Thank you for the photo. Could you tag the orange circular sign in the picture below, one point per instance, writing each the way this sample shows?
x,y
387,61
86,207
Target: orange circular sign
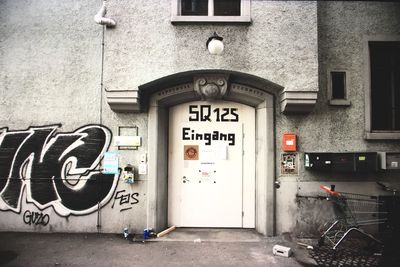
x,y
191,153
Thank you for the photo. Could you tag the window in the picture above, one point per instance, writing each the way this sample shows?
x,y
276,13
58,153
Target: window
x,y
194,7
385,86
211,11
226,7
338,84
338,88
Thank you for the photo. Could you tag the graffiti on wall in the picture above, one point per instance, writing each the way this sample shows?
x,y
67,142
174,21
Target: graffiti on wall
x,y
36,218
59,170
125,200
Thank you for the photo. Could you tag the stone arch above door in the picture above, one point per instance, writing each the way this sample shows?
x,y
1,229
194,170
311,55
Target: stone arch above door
x,y
221,87
136,100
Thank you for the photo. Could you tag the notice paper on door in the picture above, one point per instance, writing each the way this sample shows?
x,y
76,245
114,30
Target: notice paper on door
x,y
207,153
207,170
214,152
221,151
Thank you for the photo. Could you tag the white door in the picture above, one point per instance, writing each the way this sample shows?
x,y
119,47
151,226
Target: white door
x,y
211,168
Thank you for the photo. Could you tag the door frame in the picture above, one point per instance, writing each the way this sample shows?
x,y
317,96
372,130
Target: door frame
x,y
264,103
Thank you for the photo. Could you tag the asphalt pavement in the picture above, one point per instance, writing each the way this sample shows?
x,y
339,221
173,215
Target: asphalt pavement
x,y
50,249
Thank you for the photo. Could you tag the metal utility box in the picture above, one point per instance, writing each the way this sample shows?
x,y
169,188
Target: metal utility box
x,y
389,160
318,161
289,142
343,162
366,162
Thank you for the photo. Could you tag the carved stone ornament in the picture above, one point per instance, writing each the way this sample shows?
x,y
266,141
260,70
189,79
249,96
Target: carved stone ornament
x,y
211,87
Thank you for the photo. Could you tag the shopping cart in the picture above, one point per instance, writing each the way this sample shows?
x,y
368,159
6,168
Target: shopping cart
x,y
353,211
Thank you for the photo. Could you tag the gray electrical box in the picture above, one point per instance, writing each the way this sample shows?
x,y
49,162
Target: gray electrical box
x,y
389,160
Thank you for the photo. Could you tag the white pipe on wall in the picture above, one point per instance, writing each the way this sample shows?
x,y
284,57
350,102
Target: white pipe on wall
x,y
100,19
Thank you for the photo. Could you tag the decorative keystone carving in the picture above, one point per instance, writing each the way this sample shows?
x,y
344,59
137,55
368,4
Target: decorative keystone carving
x,y
211,87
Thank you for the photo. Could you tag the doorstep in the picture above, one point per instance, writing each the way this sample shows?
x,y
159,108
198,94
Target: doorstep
x,y
211,235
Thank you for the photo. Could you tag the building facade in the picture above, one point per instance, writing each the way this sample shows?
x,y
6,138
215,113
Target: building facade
x,y
137,125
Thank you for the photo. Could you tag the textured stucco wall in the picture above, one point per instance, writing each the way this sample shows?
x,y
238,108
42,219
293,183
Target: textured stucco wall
x,y
50,63
50,72
280,45
342,31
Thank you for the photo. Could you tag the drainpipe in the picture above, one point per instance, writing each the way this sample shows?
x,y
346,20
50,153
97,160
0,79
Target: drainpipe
x,y
100,19
106,22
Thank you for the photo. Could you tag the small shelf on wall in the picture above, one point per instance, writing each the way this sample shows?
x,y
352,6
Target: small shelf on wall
x,y
341,162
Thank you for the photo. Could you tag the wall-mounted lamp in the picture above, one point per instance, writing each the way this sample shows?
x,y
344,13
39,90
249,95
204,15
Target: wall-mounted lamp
x,y
215,45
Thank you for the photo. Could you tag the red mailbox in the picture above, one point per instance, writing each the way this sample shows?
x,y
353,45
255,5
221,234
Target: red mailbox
x,y
289,142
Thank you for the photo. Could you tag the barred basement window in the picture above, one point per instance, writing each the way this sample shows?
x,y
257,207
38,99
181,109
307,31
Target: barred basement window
x,y
385,86
211,11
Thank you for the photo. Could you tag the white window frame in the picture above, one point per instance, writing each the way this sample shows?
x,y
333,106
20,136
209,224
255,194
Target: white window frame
x,y
243,18
369,134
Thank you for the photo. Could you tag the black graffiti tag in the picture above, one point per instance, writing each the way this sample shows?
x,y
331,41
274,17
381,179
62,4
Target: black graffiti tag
x,y
58,170
126,200
36,218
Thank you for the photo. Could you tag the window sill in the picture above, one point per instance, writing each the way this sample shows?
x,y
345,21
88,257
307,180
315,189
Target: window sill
x,y
382,136
339,102
211,19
